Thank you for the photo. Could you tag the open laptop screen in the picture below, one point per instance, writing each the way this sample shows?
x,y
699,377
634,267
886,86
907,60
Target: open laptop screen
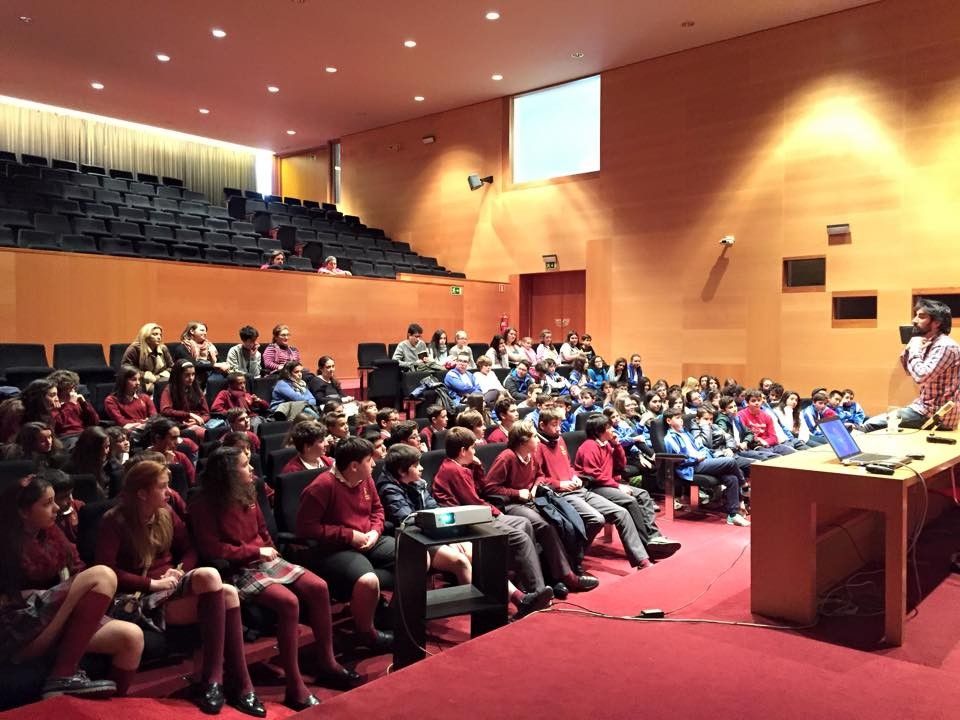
x,y
839,438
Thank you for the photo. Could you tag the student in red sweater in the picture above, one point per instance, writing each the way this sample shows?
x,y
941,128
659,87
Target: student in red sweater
x,y
68,508
342,511
598,462
515,475
406,432
51,606
238,420
456,483
74,413
593,509
164,437
147,545
507,415
337,425
235,395
227,524
182,399
311,441
127,406
762,424
437,415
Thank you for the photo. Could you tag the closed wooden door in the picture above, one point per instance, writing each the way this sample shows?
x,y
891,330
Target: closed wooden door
x,y
554,300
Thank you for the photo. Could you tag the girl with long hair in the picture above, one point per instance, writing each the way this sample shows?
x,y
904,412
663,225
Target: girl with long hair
x,y
279,352
50,604
127,406
570,350
788,413
511,345
497,353
183,401
437,347
41,401
195,346
89,457
149,355
35,442
597,372
228,524
290,394
11,418
148,547
618,371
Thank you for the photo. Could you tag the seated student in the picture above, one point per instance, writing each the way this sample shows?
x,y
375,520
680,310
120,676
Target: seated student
x,y
512,347
459,381
761,424
632,437
366,415
552,381
405,432
11,418
850,411
744,443
310,440
164,437
275,260
342,511
438,348
515,475
127,406
473,421
588,404
386,418
183,401
403,492
227,524
437,415
290,394
74,412
460,346
692,400
787,412
487,380
279,352
147,546
119,451
238,420
150,356
507,415
578,376
528,351
811,415
545,349
652,407
245,357
456,483
36,442
700,460
375,438
618,371
586,345
195,347
336,424
534,391
329,267
596,373
571,350
598,463
707,433
51,605
89,457
518,381
68,507
412,353
235,395
325,386
496,353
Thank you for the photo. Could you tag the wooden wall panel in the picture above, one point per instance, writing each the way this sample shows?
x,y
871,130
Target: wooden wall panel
x,y
306,176
54,297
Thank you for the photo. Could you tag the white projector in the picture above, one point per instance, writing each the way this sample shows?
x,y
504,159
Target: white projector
x,y
448,519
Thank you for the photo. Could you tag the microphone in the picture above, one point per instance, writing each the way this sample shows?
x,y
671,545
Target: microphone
x,y
935,419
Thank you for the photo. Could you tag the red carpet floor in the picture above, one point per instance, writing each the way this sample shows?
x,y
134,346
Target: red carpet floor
x,y
565,665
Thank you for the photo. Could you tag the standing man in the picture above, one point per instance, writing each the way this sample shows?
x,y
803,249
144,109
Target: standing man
x,y
932,359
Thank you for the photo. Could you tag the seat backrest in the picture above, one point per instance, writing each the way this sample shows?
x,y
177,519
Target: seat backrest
x,y
368,352
574,439
478,349
88,529
74,355
116,353
289,487
12,471
658,431
430,461
439,441
276,459
488,452
274,427
22,355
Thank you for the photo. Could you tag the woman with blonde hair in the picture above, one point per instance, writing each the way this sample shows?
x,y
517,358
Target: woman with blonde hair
x,y
147,545
149,355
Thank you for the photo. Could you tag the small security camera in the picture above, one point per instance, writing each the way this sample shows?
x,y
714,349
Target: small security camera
x,y
727,240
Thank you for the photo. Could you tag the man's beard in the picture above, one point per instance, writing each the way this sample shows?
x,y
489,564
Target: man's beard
x,y
917,332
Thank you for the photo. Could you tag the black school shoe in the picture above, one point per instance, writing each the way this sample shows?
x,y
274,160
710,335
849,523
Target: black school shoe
x,y
533,601
79,685
661,547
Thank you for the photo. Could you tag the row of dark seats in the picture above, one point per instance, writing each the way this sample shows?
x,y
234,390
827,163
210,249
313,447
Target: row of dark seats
x,y
28,160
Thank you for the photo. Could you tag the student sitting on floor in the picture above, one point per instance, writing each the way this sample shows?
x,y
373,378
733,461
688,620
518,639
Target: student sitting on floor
x,y
850,411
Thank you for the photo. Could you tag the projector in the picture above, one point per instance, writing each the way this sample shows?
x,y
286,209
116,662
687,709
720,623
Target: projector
x,y
450,520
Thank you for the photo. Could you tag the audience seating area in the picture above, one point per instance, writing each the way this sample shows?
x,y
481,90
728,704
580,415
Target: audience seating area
x,y
59,205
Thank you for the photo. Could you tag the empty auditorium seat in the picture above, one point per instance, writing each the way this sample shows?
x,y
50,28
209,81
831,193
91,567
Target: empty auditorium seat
x,y
122,229
109,197
217,255
52,223
311,204
243,227
194,196
137,215
218,211
85,359
232,192
116,184
121,174
142,188
141,201
82,194
300,263
167,204
268,244
173,193
152,249
93,170
6,237
99,210
218,224
190,253
194,222
245,242
15,219
116,246
20,363
33,160
172,181
158,233
147,177
373,255
247,258
252,195
189,237
38,240
90,226
78,243
64,165
218,240
65,207
7,156
361,267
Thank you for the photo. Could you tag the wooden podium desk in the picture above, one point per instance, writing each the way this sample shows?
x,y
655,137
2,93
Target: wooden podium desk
x,y
785,496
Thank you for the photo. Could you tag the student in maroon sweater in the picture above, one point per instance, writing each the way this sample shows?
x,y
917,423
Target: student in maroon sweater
x,y
515,475
182,399
74,413
341,510
126,405
147,545
227,524
437,415
235,395
50,605
164,436
600,458
68,508
456,483
507,415
311,441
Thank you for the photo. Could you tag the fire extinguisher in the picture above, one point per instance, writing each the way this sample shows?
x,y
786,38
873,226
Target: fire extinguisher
x,y
504,324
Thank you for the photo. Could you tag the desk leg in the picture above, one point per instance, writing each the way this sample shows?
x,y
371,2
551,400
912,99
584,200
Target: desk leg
x,y
895,571
410,599
490,577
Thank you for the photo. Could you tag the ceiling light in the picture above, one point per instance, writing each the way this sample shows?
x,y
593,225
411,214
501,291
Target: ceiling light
x,y
418,98
496,76
492,15
330,69
273,88
163,58
203,111
687,24
291,132
25,19
577,55
218,33
410,43
96,85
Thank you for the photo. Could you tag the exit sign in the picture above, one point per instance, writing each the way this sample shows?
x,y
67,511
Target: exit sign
x,y
456,290
551,265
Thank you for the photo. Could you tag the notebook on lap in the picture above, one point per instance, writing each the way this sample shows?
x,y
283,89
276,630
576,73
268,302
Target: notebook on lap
x,y
846,448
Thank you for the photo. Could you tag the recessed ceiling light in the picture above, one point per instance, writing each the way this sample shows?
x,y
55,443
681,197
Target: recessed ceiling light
x,y
25,19
687,24
163,58
291,132
577,55
203,111
492,15
96,85
218,33
410,43
496,76
273,88
418,98
330,69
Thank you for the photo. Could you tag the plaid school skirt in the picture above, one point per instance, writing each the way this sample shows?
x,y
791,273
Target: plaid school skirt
x,y
150,606
254,579
21,623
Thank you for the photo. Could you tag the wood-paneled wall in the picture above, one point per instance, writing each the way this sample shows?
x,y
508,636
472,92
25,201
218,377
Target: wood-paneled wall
x,y
306,175
853,117
51,297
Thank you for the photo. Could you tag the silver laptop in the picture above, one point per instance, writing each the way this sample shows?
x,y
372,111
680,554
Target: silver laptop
x,y
846,448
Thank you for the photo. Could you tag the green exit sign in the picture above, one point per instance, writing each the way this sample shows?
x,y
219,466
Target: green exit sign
x,y
551,265
456,290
